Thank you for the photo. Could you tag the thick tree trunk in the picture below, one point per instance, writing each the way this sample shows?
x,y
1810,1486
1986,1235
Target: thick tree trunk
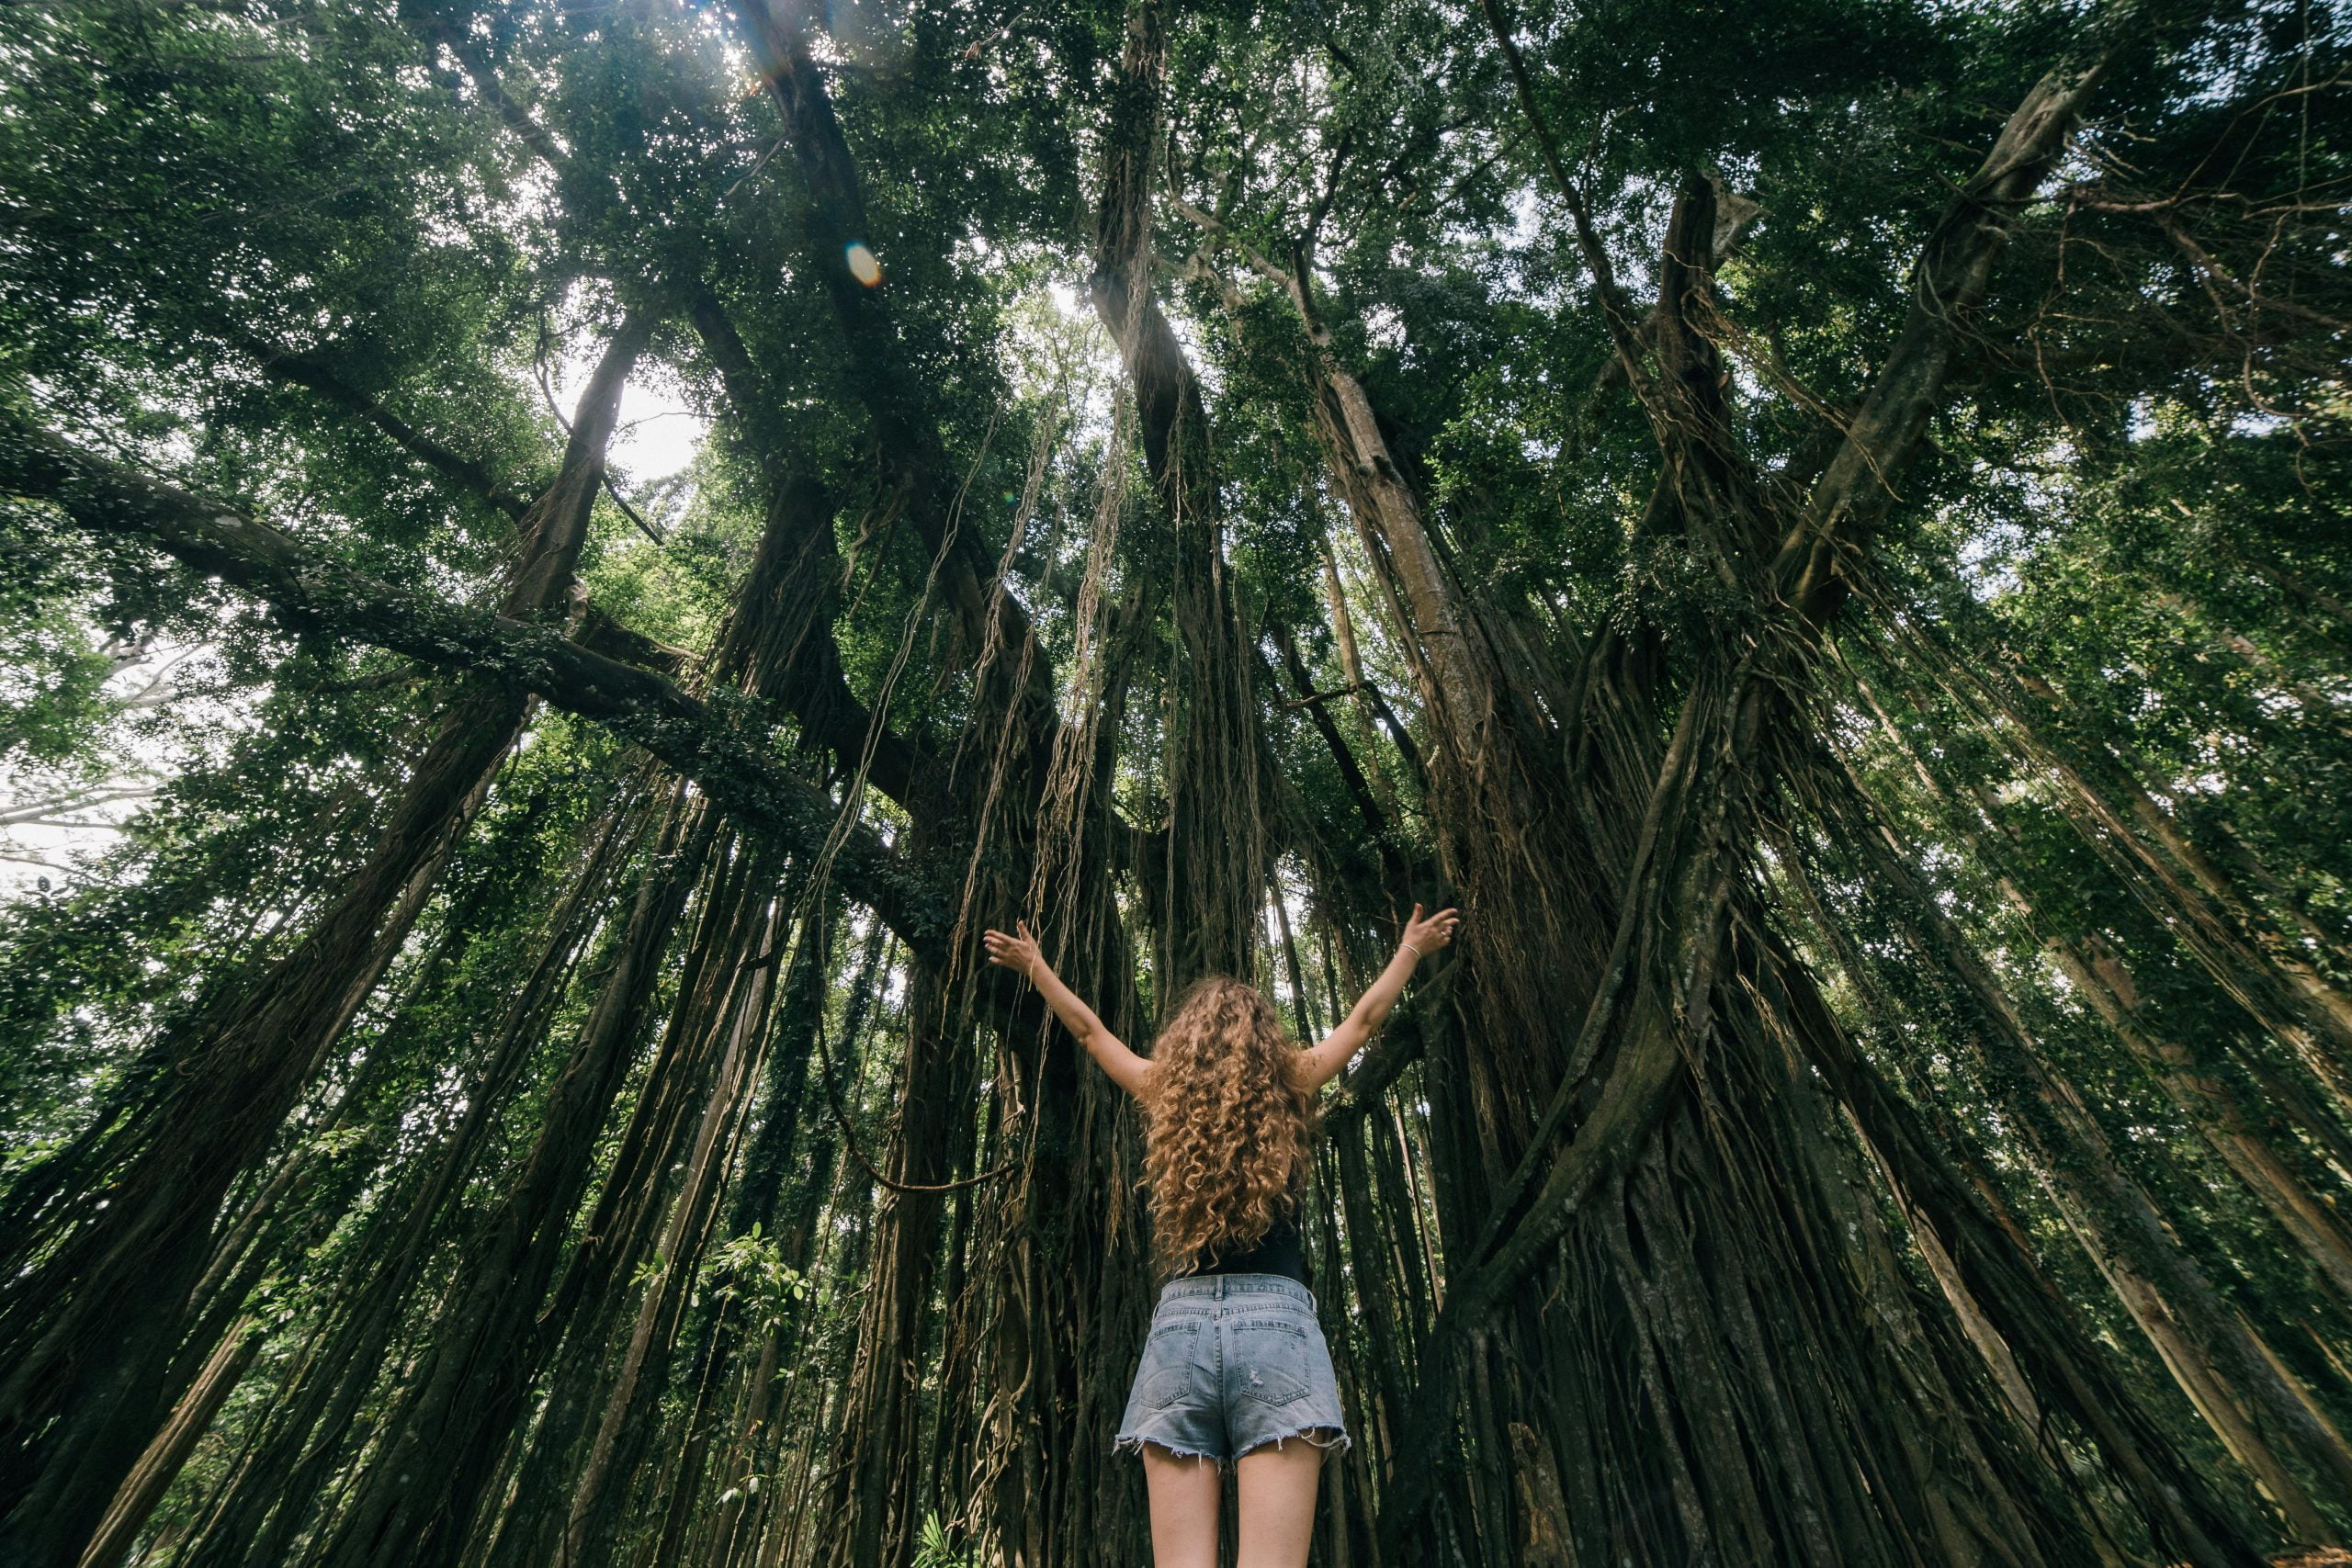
x,y
1214,860
1676,894
873,1507
270,1496
630,1412
416,1496
722,750
2100,976
127,1515
88,1332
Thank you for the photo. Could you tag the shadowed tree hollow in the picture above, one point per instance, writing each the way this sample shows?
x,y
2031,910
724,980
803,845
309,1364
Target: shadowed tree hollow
x,y
559,564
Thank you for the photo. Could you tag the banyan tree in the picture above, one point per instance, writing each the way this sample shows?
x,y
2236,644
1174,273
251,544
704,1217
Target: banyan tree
x,y
1818,524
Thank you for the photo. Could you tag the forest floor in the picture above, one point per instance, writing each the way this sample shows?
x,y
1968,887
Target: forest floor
x,y
2316,1557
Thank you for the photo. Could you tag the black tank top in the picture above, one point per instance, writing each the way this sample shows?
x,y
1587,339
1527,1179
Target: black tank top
x,y
1278,1251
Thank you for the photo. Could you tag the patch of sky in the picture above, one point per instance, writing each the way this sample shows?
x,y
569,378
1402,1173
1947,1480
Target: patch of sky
x,y
1207,365
52,826
1055,348
1994,546
1851,725
658,433
2076,166
1751,387
2287,707
2230,61
1989,558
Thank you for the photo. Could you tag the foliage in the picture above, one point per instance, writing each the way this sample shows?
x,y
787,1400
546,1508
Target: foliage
x,y
629,1169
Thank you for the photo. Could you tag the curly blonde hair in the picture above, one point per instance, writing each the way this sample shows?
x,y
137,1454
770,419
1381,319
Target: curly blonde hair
x,y
1228,1122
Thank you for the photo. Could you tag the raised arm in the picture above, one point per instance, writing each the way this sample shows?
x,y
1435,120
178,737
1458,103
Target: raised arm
x,y
1110,1053
1423,935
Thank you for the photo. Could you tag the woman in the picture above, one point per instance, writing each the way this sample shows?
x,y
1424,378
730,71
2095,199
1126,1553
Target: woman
x,y
1235,1367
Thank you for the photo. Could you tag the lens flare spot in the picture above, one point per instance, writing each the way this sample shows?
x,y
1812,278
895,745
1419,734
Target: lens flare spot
x,y
862,265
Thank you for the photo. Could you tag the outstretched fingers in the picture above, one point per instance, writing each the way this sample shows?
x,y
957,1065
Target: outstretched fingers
x,y
1011,952
1437,929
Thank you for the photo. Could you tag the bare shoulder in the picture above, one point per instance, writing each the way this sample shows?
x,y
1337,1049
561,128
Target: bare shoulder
x,y
1132,1073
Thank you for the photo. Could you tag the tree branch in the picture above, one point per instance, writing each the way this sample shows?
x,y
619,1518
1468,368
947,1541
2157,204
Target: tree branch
x,y
725,748
315,373
794,571
485,81
1623,332
877,367
1954,269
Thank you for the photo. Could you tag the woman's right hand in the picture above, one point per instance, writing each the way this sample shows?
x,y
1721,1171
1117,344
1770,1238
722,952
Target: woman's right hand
x,y
1018,952
1425,934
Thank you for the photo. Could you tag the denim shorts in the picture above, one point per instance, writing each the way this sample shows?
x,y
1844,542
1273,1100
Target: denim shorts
x,y
1234,1361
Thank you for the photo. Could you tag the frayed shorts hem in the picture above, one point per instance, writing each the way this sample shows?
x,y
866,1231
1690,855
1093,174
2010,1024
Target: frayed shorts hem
x,y
1334,1441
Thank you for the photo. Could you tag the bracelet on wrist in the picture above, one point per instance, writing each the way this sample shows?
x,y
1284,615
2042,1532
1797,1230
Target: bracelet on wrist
x,y
1416,952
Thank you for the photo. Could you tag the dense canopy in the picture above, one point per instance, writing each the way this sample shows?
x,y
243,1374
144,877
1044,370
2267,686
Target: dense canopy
x,y
580,552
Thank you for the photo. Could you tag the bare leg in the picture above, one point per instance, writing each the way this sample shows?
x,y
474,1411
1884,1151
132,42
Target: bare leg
x,y
1277,1485
1185,1494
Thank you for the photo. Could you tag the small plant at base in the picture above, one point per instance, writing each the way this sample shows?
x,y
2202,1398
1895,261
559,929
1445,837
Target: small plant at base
x,y
932,1549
